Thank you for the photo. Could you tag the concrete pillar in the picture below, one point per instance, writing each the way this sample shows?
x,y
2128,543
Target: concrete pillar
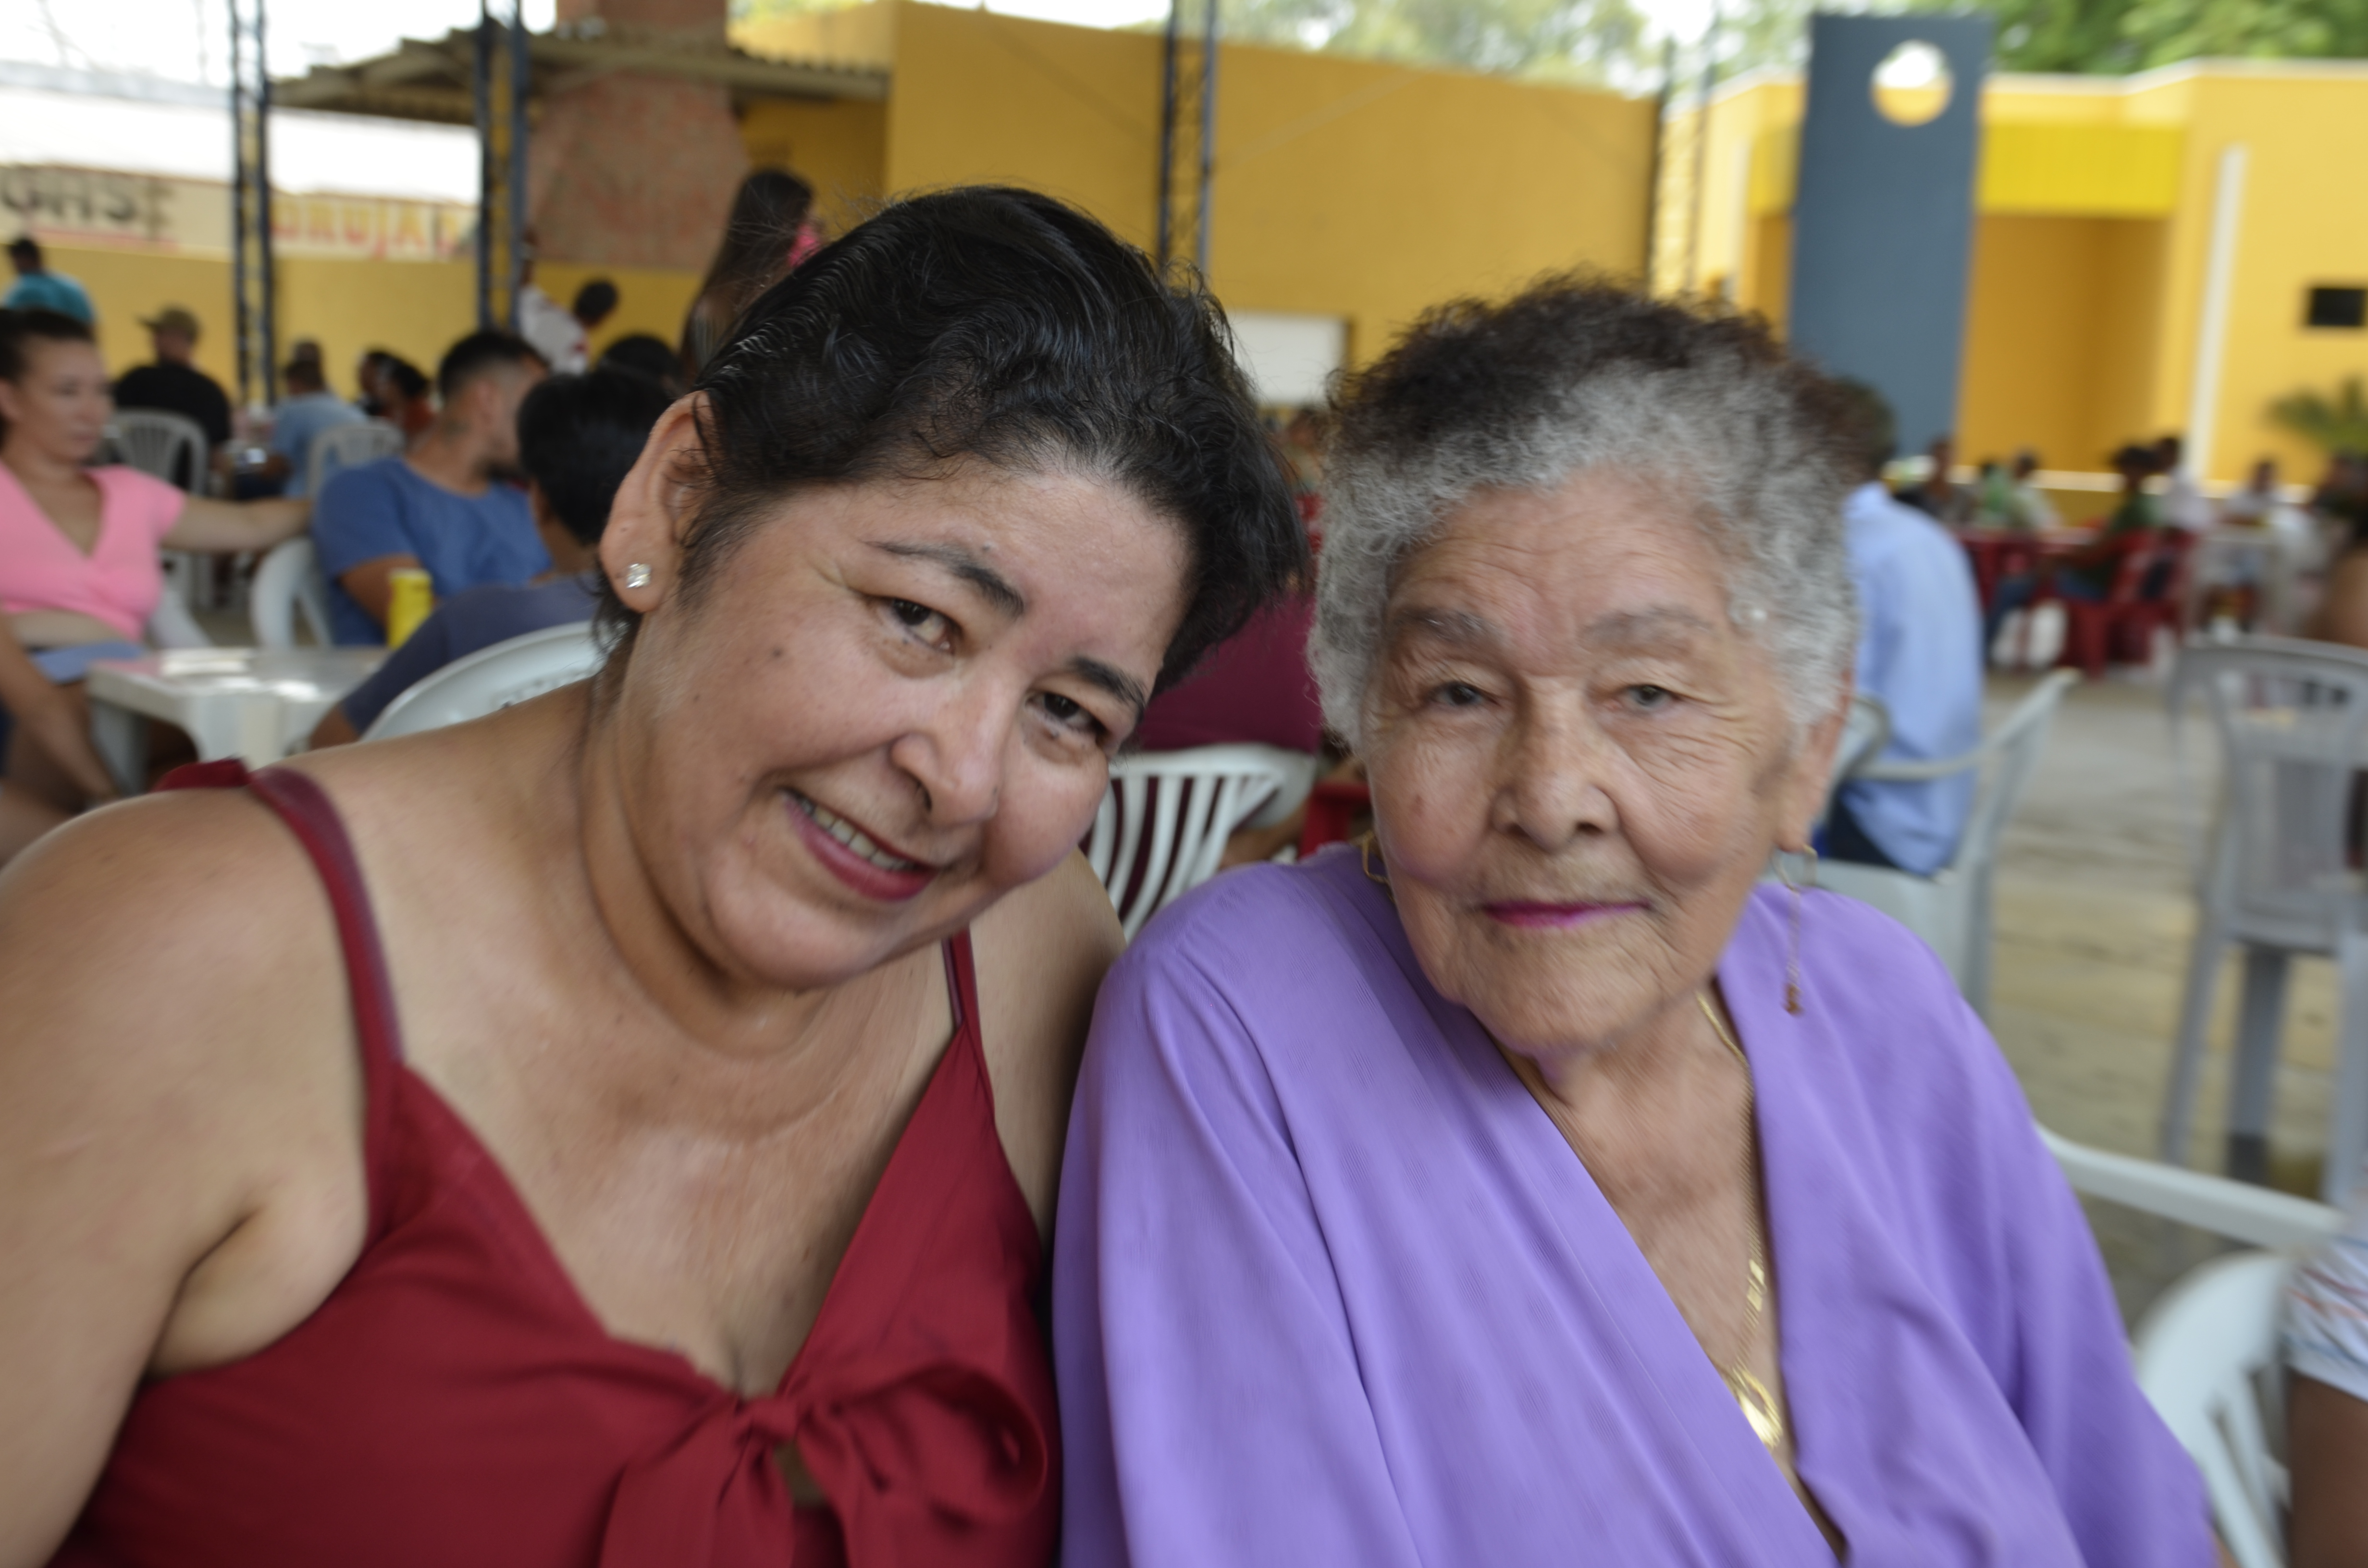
x,y
636,171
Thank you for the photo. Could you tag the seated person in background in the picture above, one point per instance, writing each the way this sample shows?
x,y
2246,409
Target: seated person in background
x,y
578,436
309,408
595,303
2087,576
1937,494
79,571
645,354
2326,1400
2010,499
393,390
446,506
2183,503
1918,653
174,384
2342,613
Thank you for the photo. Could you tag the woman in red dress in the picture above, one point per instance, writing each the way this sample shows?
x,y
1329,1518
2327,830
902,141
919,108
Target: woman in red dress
x,y
622,1130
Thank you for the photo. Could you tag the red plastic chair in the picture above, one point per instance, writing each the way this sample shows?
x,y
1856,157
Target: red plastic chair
x,y
2126,623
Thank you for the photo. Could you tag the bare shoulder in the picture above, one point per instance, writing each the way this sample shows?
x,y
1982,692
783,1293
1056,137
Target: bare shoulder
x,y
176,1094
1041,953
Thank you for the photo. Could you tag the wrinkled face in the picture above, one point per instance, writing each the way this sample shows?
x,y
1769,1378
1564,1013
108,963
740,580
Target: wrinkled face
x,y
61,405
894,703
1580,767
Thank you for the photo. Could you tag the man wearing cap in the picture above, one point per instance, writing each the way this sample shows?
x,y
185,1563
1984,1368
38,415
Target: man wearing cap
x,y
174,384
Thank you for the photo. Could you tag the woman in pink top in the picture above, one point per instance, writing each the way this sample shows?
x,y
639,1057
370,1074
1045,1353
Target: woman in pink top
x,y
79,570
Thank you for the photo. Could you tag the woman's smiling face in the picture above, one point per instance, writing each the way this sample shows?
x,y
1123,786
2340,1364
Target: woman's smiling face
x,y
891,704
1579,766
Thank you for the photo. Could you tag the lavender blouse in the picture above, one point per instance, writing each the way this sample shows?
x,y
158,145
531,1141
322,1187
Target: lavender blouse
x,y
1331,1289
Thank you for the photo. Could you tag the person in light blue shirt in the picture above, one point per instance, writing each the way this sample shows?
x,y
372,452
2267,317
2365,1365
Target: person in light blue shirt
x,y
309,408
39,288
1920,653
447,506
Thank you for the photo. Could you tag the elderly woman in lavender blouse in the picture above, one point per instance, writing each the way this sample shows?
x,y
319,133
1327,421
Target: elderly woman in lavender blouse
x,y
1533,1186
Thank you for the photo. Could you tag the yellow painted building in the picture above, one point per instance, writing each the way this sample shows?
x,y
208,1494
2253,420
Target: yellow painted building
x,y
1346,189
2145,250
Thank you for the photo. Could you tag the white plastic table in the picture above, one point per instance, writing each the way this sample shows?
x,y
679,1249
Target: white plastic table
x,y
251,703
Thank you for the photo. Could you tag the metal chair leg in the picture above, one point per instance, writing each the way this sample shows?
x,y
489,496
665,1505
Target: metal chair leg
x,y
2253,1073
2187,1054
2347,1132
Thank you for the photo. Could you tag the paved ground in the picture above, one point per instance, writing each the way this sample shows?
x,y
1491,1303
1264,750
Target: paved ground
x,y
2095,913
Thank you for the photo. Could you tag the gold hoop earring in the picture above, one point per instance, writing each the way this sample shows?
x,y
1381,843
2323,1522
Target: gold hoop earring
x,y
1793,946
1366,847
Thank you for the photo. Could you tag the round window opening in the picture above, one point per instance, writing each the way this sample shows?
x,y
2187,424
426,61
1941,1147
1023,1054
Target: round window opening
x,y
1911,85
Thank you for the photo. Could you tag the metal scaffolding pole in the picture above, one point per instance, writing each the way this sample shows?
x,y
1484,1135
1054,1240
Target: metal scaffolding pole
x,y
252,292
502,82
1188,107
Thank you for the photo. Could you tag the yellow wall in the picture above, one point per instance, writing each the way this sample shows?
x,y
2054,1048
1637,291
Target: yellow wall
x,y
1343,187
841,149
2094,206
1072,111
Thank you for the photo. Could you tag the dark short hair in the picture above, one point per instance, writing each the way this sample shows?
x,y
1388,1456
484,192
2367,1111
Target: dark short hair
x,y
26,246
579,436
305,373
1008,328
481,353
644,354
20,329
1872,429
409,379
594,301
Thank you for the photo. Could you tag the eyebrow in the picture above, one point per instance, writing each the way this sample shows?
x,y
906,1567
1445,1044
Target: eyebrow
x,y
1117,682
992,585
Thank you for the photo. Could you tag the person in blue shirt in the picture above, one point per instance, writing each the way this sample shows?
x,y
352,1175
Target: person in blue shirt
x,y
309,408
446,506
1919,653
578,436
39,288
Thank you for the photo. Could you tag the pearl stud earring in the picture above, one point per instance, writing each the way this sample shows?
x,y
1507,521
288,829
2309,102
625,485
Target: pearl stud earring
x,y
637,575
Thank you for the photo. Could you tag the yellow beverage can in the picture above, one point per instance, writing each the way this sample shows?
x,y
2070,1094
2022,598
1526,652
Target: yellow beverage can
x,y
414,596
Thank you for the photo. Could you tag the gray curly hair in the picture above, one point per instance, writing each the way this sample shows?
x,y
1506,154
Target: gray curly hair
x,y
1575,373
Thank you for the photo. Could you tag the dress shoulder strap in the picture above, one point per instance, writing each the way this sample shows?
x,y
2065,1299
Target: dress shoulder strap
x,y
309,813
961,990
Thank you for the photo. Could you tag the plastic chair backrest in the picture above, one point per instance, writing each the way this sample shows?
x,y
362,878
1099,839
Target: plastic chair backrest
x,y
288,579
1865,732
2207,1357
2007,757
2292,717
347,446
490,680
165,445
1192,802
2258,1216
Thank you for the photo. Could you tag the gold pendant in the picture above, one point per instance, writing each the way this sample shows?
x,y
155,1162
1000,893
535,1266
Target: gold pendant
x,y
1759,1407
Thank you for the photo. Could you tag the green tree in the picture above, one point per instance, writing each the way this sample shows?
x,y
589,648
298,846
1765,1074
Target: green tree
x,y
1578,40
2338,424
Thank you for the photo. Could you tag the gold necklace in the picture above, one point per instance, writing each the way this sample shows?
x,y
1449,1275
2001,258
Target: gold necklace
x,y
1759,1405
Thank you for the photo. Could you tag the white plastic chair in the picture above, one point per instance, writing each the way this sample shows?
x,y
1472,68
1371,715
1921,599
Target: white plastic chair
x,y
287,580
1950,909
1192,802
347,446
1865,732
490,680
2292,722
159,443
2207,1357
166,446
2207,1352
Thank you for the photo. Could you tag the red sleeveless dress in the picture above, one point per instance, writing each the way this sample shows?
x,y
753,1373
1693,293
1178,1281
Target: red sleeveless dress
x,y
455,1403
